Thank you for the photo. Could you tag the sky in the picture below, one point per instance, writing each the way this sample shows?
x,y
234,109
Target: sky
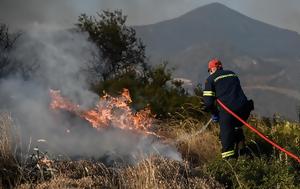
x,y
64,13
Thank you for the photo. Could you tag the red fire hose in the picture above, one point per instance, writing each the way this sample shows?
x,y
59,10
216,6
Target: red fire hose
x,y
257,132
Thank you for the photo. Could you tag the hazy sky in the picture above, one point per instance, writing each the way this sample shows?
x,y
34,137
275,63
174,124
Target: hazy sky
x,y
64,13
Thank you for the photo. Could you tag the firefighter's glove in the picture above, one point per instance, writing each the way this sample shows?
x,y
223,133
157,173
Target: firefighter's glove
x,y
215,118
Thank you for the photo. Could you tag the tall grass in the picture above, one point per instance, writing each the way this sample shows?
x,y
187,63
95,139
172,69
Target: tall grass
x,y
201,167
151,173
9,170
196,147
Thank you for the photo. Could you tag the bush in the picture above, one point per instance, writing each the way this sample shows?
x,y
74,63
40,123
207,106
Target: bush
x,y
269,168
157,90
252,173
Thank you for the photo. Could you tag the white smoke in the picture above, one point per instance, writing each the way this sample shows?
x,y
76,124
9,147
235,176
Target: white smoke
x,y
60,56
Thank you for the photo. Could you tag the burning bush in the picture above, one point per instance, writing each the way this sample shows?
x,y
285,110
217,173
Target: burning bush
x,y
113,116
157,90
109,111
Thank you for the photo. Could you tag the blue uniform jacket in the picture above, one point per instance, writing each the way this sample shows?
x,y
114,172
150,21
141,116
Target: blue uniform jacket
x,y
225,86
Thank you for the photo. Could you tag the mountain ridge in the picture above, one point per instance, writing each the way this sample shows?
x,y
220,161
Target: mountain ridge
x,y
252,48
214,17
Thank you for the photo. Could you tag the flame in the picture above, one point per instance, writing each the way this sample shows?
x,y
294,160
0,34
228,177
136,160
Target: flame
x,y
109,111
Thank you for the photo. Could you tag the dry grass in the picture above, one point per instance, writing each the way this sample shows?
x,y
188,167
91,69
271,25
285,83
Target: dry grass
x,y
151,173
197,148
200,149
6,137
163,173
59,182
199,152
154,172
9,170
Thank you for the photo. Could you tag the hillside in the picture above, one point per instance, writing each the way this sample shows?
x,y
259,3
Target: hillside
x,y
260,53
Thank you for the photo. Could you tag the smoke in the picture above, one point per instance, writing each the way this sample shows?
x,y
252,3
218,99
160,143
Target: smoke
x,y
59,57
20,14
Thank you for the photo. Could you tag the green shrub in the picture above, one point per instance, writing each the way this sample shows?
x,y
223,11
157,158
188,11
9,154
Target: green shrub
x,y
158,90
253,173
269,168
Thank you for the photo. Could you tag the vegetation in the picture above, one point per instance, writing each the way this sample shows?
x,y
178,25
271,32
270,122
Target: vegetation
x,y
10,173
119,48
7,41
179,117
9,66
202,166
123,65
157,90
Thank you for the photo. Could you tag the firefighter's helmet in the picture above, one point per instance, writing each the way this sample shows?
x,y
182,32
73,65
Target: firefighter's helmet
x,y
214,63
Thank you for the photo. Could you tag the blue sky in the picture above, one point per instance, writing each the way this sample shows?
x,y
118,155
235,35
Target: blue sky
x,y
64,13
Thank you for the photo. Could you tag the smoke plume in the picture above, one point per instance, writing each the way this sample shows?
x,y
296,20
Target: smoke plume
x,y
59,56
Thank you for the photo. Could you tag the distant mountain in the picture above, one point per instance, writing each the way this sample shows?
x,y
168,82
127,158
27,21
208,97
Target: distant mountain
x,y
262,54
217,24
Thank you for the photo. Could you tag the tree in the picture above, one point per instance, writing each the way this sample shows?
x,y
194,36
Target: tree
x,y
159,75
120,50
8,64
7,42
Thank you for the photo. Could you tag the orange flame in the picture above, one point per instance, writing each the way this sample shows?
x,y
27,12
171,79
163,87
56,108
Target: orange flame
x,y
109,111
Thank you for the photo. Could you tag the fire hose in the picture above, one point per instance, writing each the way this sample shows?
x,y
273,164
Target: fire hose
x,y
259,133
185,137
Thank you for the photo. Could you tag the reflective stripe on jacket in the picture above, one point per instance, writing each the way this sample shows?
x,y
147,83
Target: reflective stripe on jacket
x,y
224,85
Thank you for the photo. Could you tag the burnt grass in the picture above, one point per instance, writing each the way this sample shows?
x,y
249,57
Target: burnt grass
x,y
155,172
201,166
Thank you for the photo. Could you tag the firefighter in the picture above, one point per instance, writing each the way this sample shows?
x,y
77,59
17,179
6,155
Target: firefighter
x,y
225,86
